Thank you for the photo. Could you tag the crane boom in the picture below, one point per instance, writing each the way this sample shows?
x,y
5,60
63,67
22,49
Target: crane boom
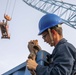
x,y
65,10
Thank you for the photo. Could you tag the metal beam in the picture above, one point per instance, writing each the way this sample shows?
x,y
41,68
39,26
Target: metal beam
x,y
65,10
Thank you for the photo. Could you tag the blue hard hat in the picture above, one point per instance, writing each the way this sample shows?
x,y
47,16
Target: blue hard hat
x,y
49,21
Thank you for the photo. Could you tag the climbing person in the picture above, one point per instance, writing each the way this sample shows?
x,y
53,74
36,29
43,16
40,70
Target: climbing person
x,y
64,53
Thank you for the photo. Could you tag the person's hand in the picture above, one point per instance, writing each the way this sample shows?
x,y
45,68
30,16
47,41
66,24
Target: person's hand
x,y
32,56
31,64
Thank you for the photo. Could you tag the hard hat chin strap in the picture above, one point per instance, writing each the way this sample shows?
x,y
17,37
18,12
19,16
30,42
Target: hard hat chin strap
x,y
50,34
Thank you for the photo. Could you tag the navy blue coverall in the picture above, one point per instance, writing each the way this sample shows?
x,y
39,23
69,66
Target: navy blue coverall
x,y
63,60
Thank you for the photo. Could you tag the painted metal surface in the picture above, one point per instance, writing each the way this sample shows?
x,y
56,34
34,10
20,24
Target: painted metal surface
x,y
42,59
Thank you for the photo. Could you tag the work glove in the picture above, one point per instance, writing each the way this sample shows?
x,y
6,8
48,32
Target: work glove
x,y
33,48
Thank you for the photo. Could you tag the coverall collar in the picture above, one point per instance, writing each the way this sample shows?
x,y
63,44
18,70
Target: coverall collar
x,y
59,43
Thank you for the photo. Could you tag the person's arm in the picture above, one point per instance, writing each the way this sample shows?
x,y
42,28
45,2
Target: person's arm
x,y
62,63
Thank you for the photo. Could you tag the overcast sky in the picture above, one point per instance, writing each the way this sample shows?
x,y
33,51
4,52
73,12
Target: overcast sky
x,y
24,27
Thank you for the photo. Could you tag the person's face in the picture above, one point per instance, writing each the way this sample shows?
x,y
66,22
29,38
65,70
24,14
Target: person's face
x,y
47,39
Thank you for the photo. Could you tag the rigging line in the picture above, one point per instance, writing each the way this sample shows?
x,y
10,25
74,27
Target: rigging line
x,y
6,5
9,7
13,8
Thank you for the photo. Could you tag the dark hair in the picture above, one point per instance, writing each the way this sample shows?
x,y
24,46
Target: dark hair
x,y
57,28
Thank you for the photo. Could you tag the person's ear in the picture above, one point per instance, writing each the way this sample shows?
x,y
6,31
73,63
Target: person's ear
x,y
53,31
